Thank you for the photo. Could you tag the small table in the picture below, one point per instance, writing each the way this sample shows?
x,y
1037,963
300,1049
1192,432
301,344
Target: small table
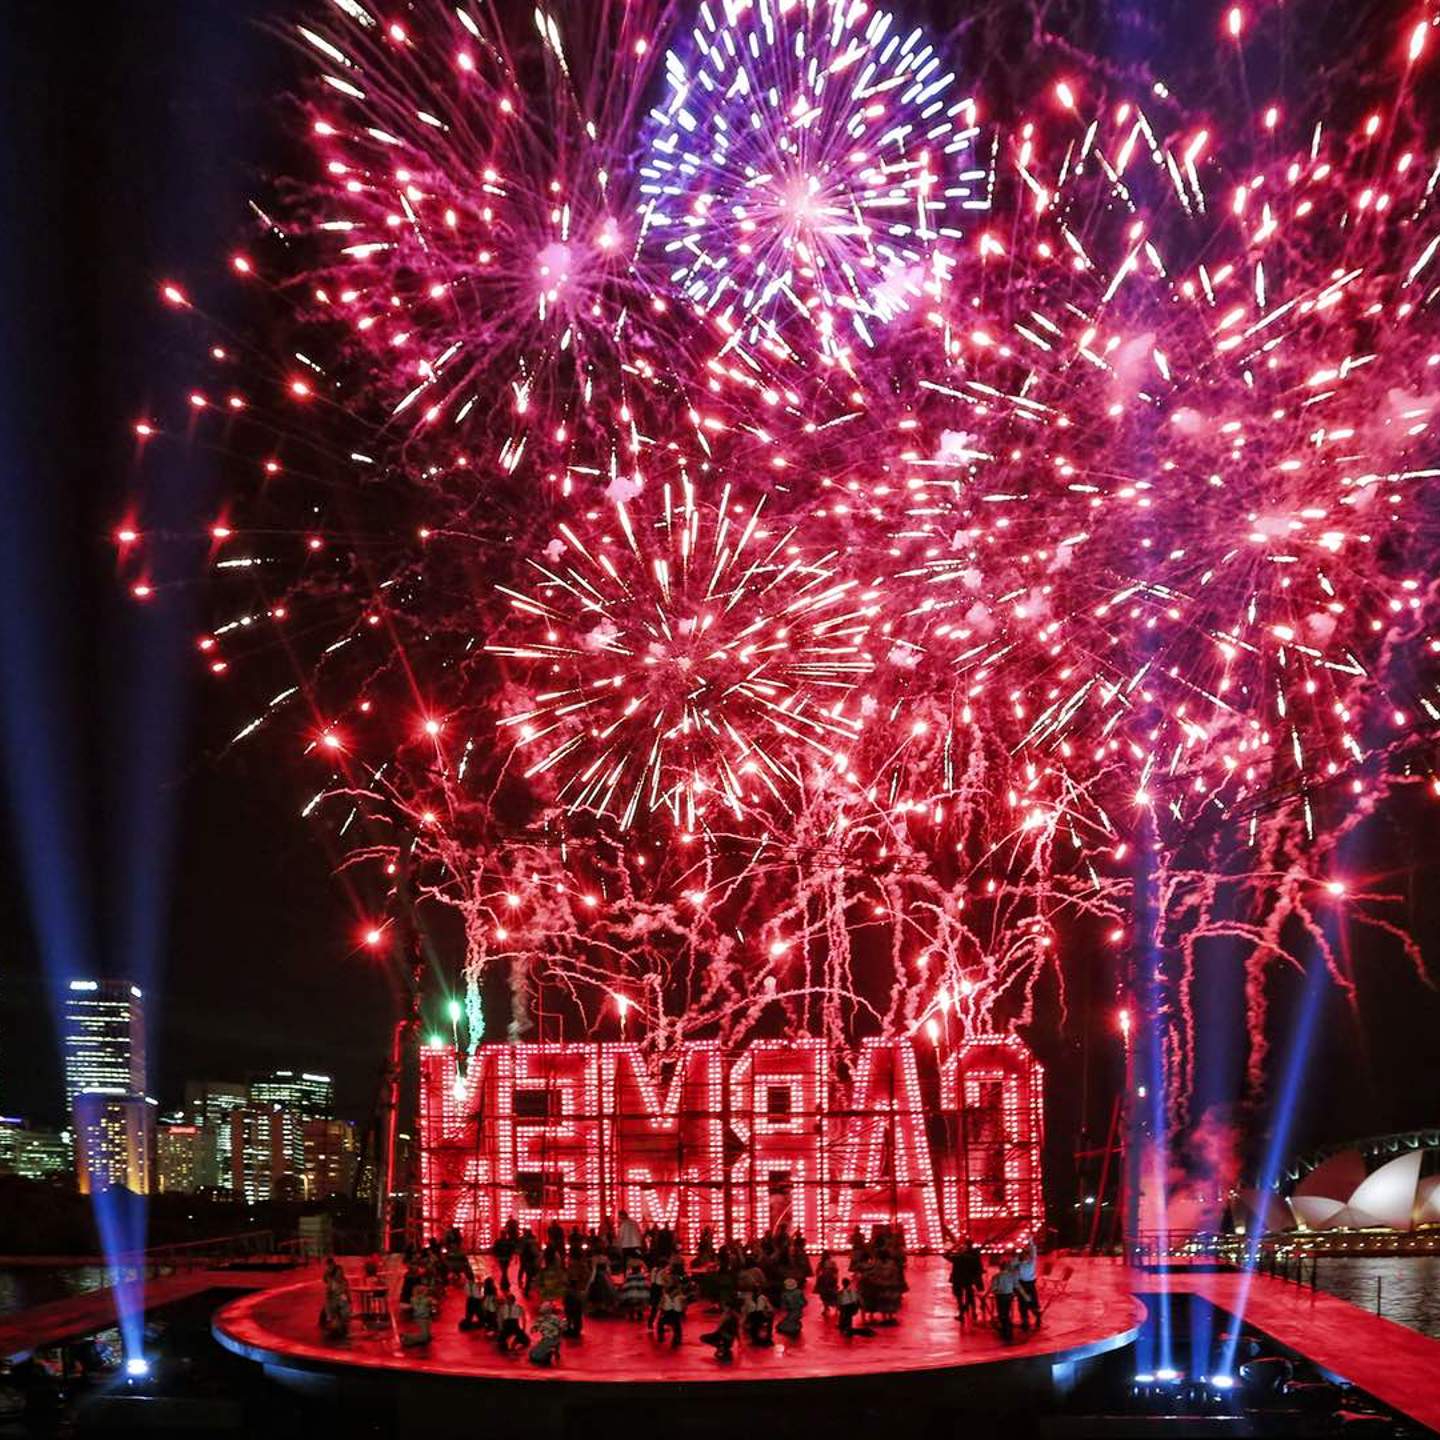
x,y
372,1305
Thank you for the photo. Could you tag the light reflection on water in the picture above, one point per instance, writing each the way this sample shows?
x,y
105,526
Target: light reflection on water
x,y
22,1286
1409,1286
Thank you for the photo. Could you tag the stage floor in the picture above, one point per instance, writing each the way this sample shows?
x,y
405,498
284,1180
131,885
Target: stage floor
x,y
1089,1312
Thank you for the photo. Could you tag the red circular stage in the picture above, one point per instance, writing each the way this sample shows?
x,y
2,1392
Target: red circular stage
x,y
1089,1311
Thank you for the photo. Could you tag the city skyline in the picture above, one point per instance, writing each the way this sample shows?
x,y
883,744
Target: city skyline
x,y
104,1047
186,1040
273,1134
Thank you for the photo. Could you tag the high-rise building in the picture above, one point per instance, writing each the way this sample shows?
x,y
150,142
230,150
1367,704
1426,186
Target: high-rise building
x,y
34,1154
312,1097
299,1096
209,1104
185,1158
104,1039
259,1160
114,1142
331,1155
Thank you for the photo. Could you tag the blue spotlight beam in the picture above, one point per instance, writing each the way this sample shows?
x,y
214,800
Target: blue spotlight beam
x,y
1277,1147
1279,1142
1146,1119
55,503
38,735
41,755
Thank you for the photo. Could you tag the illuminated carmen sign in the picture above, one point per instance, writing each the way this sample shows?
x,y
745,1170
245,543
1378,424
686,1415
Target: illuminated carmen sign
x,y
941,1144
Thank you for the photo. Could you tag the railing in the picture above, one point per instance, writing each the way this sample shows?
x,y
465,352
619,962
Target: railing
x,y
213,1254
1280,1257
1292,1260
1154,1247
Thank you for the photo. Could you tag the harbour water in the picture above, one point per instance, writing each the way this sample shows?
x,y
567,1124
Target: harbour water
x,y
1403,1288
22,1286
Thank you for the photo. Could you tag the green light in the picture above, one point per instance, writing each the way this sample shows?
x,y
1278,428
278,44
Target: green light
x,y
456,1009
437,1042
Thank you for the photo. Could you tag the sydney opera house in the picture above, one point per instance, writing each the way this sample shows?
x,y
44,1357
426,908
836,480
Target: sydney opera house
x,y
1392,1184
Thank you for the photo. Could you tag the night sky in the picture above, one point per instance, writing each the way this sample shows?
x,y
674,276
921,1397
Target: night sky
x,y
132,136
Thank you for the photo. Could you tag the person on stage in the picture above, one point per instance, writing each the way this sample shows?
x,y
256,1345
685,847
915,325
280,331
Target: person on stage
x,y
792,1303
474,1302
574,1305
672,1312
513,1334
335,1316
549,1328
758,1315
1003,1285
659,1278
1027,1293
627,1234
967,1278
634,1291
724,1335
705,1250
827,1284
529,1260
506,1243
422,1312
848,1307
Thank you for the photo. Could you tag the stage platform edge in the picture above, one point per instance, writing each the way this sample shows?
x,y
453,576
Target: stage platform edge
x,y
927,1362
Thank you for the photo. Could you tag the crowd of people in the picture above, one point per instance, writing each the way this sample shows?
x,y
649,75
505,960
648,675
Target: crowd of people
x,y
562,1279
